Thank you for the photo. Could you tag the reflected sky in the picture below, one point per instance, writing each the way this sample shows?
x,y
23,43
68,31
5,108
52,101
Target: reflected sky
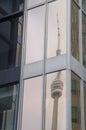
x,y
35,35
32,104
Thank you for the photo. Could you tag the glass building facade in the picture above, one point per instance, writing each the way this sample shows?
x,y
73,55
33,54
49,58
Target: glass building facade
x,y
42,65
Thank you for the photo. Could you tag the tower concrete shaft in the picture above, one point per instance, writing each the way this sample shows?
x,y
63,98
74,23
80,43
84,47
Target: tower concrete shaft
x,y
56,92
55,112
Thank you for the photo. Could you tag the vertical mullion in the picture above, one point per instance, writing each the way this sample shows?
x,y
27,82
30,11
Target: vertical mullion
x,y
68,101
44,67
82,106
21,89
80,35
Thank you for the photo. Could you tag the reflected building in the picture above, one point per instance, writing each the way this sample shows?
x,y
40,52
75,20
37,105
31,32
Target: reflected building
x,y
42,83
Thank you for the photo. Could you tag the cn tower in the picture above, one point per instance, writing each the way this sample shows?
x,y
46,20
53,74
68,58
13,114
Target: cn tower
x,y
56,86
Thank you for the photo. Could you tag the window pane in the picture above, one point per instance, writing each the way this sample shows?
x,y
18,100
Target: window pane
x,y
84,38
9,6
75,31
8,97
56,40
85,103
32,104
56,101
34,2
76,108
84,4
10,39
35,35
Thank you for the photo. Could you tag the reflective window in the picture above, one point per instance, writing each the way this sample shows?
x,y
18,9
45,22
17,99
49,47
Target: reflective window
x,y
34,2
56,101
84,4
35,35
9,6
75,31
32,104
85,103
56,38
10,40
76,108
8,98
84,38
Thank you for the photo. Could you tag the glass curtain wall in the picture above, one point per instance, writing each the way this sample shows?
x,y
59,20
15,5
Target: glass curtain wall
x,y
10,42
45,39
85,102
78,50
44,103
75,100
84,5
55,31
8,99
11,26
75,30
84,38
8,7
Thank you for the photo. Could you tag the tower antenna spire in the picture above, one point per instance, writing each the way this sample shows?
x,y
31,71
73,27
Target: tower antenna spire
x,y
58,51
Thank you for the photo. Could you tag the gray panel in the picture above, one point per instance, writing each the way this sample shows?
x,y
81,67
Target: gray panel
x,y
34,69
56,63
52,65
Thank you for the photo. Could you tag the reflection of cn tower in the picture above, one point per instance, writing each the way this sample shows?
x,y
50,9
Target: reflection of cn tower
x,y
56,86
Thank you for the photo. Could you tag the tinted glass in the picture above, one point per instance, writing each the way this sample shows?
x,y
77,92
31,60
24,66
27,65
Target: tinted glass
x,y
32,104
76,106
10,42
56,101
8,98
84,38
84,4
75,31
9,6
35,35
85,103
56,38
